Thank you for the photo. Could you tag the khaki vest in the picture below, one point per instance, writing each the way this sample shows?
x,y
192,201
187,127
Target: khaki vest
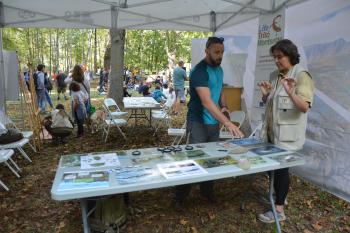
x,y
289,123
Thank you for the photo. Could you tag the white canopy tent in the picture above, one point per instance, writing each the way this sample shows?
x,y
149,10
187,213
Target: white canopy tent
x,y
206,15
191,15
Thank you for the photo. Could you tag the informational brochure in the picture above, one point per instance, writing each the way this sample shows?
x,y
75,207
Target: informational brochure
x,y
286,158
131,175
268,150
84,180
180,169
216,162
247,142
257,161
99,160
195,153
72,160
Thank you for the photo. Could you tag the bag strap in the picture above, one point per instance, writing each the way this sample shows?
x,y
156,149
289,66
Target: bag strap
x,y
85,87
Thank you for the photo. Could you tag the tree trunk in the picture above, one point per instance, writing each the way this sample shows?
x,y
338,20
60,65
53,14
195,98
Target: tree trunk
x,y
107,57
37,46
50,56
41,46
67,57
30,57
117,65
57,52
89,51
95,52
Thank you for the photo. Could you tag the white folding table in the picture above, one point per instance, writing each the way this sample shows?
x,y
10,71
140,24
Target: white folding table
x,y
211,150
138,105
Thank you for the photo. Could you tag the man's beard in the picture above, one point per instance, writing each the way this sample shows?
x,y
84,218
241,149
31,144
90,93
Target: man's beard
x,y
215,62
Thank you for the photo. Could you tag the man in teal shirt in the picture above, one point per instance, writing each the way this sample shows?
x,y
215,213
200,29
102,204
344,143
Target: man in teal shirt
x,y
205,109
179,77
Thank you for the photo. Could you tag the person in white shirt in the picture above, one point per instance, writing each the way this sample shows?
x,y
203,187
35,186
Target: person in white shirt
x,y
59,124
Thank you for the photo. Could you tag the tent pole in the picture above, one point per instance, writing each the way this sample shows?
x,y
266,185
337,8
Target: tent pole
x,y
212,21
2,78
2,72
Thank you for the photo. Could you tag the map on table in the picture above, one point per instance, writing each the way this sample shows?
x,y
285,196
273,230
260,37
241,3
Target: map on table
x,y
83,180
130,175
150,155
257,161
182,155
286,158
180,169
267,150
72,160
99,160
216,162
250,142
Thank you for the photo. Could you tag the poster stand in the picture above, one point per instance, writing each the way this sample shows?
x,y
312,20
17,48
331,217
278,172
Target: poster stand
x,y
31,107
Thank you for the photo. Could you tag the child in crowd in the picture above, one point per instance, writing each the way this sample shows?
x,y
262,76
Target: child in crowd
x,y
145,91
58,124
79,99
166,89
125,92
158,94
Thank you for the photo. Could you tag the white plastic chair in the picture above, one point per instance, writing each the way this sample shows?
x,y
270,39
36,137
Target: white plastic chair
x,y
235,116
178,133
29,134
162,115
5,156
256,132
4,119
109,103
4,186
17,145
112,122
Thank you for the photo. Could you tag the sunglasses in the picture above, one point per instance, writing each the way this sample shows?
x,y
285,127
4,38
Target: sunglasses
x,y
214,40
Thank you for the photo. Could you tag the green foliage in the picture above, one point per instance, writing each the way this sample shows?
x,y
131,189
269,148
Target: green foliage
x,y
63,48
148,49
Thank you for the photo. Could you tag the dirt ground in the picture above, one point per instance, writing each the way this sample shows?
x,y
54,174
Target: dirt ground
x,y
28,207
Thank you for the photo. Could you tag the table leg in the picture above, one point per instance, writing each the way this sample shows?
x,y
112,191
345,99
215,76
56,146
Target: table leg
x,y
150,118
135,117
272,201
83,204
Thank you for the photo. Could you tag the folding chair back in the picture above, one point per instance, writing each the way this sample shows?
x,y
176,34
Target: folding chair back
x,y
109,102
256,132
237,116
112,108
179,133
112,121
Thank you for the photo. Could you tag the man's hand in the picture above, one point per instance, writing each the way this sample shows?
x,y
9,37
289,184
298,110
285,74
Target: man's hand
x,y
225,111
265,87
235,132
289,85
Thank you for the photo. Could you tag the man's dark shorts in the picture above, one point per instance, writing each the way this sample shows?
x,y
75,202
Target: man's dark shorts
x,y
179,92
61,89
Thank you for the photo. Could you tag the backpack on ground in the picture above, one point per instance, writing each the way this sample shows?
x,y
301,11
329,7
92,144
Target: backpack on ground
x,y
11,135
109,215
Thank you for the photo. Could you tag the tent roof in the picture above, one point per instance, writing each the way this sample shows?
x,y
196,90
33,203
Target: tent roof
x,y
191,15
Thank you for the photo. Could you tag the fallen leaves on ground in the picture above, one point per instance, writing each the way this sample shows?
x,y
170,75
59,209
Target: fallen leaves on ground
x,y
28,206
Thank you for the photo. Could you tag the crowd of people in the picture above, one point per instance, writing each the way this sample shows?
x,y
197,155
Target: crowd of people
x,y
288,96
57,121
